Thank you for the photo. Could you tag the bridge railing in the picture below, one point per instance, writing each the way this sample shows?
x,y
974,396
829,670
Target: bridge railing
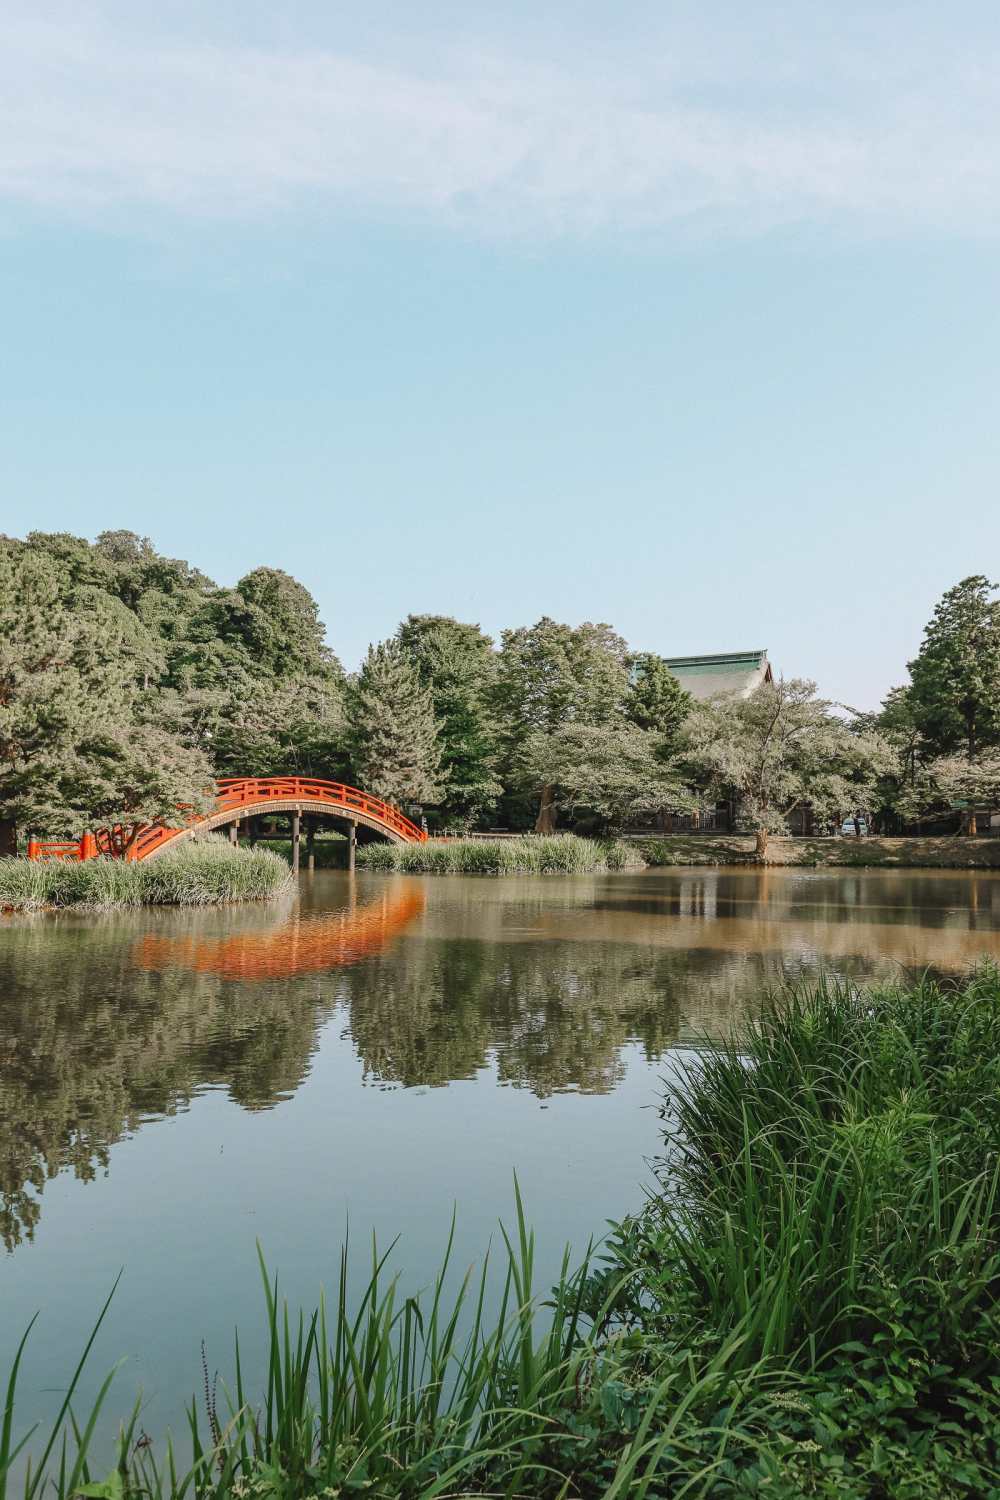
x,y
237,791
133,841
85,847
43,849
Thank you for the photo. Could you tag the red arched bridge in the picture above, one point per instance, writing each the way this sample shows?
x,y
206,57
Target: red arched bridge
x,y
237,798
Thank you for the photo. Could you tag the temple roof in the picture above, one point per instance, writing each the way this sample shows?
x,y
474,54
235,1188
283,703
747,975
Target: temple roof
x,y
727,672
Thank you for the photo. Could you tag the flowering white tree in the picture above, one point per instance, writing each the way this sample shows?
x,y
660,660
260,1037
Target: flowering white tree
x,y
615,772
955,781
782,748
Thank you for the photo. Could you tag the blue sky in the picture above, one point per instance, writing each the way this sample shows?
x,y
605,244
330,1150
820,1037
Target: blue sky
x,y
679,316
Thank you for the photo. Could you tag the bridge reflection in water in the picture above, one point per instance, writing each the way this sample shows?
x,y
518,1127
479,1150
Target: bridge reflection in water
x,y
303,945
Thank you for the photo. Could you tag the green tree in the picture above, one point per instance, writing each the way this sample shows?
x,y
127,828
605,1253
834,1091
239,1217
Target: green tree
x,y
780,749
613,773
958,779
457,664
275,620
655,699
75,747
550,675
393,733
955,693
945,782
259,652
898,793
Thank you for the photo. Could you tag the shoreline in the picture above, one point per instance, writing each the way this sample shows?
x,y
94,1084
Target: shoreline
x,y
712,849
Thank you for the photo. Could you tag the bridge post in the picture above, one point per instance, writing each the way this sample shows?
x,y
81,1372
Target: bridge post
x,y
310,844
352,843
296,839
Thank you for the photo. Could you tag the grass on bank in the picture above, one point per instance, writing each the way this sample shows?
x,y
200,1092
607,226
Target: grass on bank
x,y
808,1309
198,873
941,853
532,854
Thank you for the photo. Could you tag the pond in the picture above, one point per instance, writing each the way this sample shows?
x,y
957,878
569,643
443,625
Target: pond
x,y
176,1085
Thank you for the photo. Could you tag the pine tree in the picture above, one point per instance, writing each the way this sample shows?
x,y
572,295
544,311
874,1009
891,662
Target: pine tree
x,y
395,747
457,663
955,692
655,700
956,674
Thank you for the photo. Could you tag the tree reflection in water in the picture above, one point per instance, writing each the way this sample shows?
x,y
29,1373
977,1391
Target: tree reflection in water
x,y
106,1022
99,1032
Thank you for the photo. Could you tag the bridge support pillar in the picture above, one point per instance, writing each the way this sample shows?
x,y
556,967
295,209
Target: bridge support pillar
x,y
352,844
296,839
234,833
310,844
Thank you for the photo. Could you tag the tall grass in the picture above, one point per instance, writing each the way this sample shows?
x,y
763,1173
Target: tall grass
x,y
556,854
391,1395
831,1198
200,873
847,1135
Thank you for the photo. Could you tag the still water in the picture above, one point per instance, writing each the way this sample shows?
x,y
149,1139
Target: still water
x,y
175,1086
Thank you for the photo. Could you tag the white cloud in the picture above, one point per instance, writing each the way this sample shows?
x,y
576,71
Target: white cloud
x,y
97,120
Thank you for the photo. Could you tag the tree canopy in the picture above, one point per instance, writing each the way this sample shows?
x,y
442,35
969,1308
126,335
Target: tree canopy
x,y
457,664
782,748
394,741
129,680
609,774
77,741
655,699
955,676
551,675
950,708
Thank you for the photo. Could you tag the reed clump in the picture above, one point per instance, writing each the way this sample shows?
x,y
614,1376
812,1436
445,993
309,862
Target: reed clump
x,y
204,872
830,1200
532,854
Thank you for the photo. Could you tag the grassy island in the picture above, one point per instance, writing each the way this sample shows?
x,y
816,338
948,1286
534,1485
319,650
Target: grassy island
x,y
808,1309
557,854
207,873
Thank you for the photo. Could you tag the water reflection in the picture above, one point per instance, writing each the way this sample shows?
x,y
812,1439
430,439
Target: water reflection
x,y
300,945
106,1023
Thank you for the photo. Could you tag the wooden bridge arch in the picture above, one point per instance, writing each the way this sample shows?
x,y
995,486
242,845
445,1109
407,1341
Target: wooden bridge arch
x,y
237,798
